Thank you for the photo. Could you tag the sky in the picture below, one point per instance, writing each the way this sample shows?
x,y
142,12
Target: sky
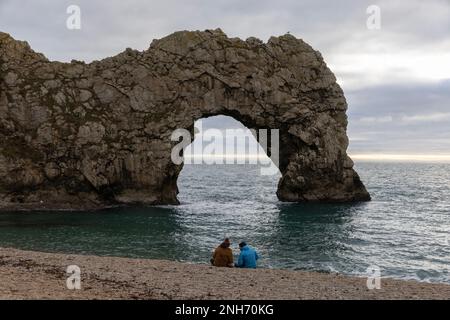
x,y
396,78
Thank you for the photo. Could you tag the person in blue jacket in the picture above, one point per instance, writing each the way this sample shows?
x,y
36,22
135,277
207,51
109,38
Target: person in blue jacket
x,y
247,257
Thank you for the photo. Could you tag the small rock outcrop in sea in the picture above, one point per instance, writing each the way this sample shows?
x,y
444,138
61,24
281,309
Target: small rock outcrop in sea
x,y
77,136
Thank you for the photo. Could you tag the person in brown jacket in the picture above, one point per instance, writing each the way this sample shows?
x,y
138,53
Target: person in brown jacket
x,y
223,255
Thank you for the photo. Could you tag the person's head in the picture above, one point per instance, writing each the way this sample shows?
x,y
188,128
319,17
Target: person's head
x,y
226,243
242,244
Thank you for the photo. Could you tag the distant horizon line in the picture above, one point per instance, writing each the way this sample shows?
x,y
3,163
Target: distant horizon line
x,y
355,156
401,157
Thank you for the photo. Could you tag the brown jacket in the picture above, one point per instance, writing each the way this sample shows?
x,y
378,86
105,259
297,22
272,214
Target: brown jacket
x,y
223,257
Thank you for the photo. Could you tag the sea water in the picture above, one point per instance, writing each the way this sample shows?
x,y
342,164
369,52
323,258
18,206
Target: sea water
x,y
404,230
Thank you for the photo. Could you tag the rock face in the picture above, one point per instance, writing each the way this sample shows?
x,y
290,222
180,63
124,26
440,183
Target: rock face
x,y
76,135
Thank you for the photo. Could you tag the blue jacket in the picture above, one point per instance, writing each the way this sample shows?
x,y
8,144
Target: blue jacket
x,y
247,258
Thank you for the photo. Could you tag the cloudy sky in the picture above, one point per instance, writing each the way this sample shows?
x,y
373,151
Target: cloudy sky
x,y
396,78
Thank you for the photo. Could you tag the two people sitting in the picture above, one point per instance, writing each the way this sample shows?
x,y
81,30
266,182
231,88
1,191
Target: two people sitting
x,y
223,256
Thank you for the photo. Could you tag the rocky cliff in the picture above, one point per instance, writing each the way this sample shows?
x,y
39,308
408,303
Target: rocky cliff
x,y
76,135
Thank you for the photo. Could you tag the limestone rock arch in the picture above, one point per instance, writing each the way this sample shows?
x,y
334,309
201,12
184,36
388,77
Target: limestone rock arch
x,y
76,135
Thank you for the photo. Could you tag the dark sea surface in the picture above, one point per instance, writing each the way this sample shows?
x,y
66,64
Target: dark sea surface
x,y
404,230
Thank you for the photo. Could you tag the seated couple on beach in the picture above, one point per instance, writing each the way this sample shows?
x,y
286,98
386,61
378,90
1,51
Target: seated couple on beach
x,y
223,256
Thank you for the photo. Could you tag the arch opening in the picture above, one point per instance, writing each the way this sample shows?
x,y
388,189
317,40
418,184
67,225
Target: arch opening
x,y
224,147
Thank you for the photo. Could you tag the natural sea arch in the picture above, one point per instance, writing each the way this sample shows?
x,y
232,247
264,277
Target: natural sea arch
x,y
77,135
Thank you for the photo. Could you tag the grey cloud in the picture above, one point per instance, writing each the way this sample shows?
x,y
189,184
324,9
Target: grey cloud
x,y
109,26
333,27
400,99
420,116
